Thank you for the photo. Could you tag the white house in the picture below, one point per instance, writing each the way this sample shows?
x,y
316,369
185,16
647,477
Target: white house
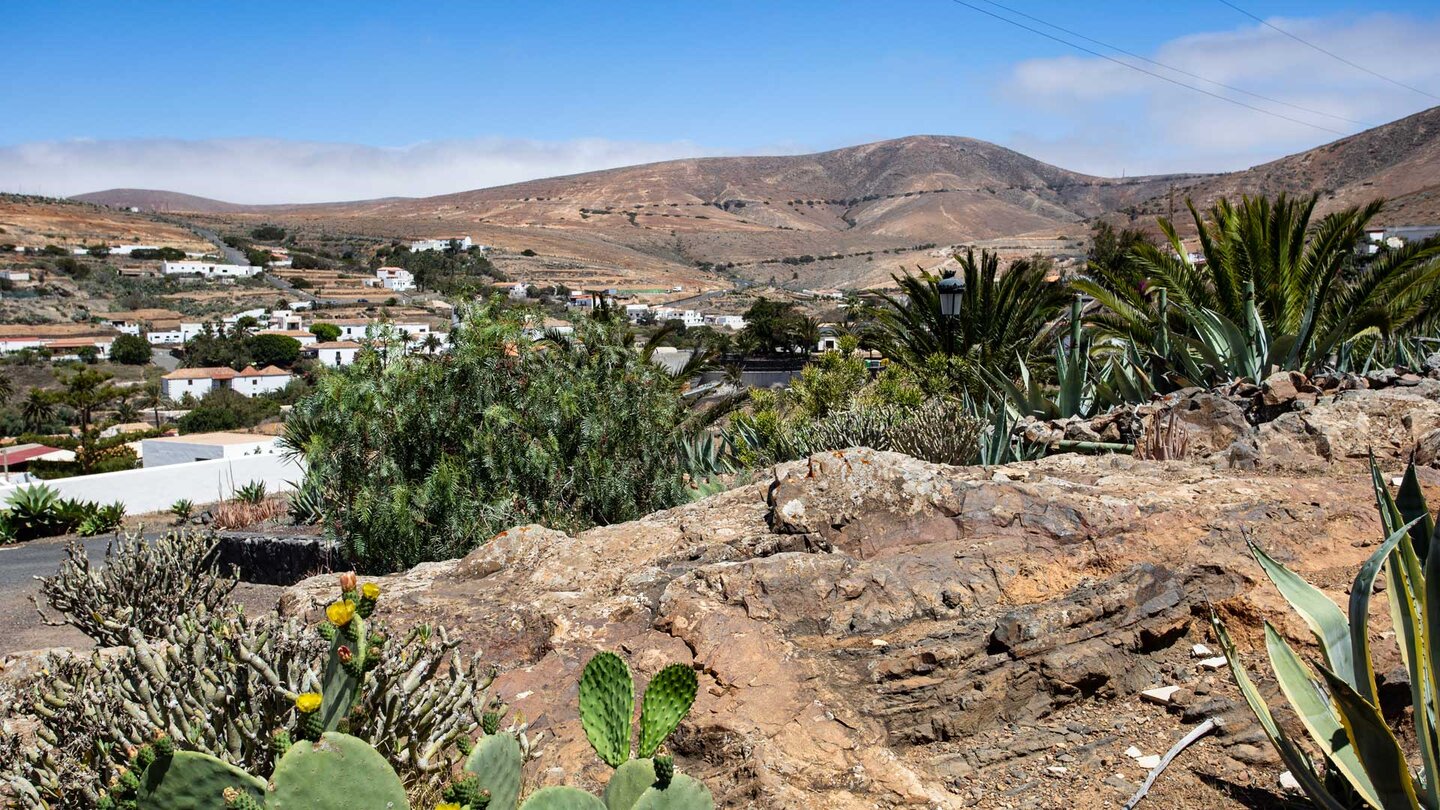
x,y
209,269
165,336
396,279
633,312
164,450
334,353
286,319
15,275
352,328
519,292
689,317
254,381
736,322
197,382
463,242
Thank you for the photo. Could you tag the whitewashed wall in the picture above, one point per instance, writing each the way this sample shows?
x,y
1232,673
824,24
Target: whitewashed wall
x,y
153,489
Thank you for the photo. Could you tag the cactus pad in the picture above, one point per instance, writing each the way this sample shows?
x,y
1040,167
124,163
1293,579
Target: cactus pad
x,y
341,683
607,701
496,762
339,772
629,783
668,699
684,793
192,781
562,798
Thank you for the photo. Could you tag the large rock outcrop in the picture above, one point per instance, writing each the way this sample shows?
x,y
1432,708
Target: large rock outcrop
x,y
875,631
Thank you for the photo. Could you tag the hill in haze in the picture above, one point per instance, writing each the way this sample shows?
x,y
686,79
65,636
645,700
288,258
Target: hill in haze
x,y
861,212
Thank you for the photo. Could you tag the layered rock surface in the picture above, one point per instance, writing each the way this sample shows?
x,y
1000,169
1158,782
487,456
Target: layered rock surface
x,y
875,631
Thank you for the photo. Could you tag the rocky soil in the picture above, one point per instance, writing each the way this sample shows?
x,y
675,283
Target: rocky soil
x,y
874,631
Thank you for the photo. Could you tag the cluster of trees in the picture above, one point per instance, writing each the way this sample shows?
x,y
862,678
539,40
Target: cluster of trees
x,y
237,348
451,271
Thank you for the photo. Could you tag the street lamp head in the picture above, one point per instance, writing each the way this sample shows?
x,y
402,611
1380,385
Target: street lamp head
x,y
951,289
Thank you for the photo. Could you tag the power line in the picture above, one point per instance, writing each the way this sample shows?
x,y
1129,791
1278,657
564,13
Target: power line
x,y
1331,54
1159,76
1182,72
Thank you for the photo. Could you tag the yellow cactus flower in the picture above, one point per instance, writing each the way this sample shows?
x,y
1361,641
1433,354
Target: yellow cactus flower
x,y
307,702
370,591
340,613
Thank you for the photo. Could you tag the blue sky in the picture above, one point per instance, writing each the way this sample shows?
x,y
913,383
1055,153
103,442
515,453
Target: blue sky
x,y
407,97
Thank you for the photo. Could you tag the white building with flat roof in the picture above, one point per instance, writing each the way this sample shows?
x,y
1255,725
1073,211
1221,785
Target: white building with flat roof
x,y
462,242
165,450
396,279
209,269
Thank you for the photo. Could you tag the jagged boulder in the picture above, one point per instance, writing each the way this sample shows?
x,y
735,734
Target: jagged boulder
x,y
1351,425
874,631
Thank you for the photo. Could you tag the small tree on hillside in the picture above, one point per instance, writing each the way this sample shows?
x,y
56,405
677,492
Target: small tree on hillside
x,y
325,332
131,350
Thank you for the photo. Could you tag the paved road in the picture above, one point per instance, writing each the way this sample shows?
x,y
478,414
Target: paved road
x,y
162,357
20,625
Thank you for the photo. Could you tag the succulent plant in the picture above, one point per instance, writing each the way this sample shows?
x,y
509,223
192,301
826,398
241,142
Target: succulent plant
x,y
495,762
562,798
338,772
1340,709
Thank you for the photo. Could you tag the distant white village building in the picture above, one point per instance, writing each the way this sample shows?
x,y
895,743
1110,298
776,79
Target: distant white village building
x,y
396,279
462,242
164,450
334,353
15,275
209,269
519,292
197,382
736,322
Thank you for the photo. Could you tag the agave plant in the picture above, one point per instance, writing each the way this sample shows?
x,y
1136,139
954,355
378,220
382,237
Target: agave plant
x,y
251,493
1340,710
35,511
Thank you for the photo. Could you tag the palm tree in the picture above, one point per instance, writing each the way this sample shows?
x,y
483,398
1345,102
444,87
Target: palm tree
x,y
1310,290
38,410
1003,319
6,388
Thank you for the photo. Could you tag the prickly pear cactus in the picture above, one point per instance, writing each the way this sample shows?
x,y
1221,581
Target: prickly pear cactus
x,y
629,783
562,798
353,650
607,701
188,780
495,761
667,700
683,793
339,772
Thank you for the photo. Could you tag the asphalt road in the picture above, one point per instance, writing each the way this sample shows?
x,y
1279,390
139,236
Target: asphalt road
x,y
20,626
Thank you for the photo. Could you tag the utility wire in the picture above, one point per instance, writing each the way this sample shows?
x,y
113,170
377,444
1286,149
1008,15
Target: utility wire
x,y
1133,55
1331,54
1160,76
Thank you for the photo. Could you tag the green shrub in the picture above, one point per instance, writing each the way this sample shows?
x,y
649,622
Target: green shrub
x,y
131,350
571,434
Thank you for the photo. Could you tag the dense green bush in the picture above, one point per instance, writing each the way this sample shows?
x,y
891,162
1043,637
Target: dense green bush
x,y
131,350
420,458
225,409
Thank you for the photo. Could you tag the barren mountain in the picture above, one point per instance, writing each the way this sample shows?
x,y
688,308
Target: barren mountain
x,y
860,213
1399,161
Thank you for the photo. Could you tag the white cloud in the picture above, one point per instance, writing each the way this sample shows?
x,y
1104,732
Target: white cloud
x,y
1166,128
260,170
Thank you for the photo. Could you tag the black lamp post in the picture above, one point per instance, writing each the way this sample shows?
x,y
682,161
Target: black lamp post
x,y
951,289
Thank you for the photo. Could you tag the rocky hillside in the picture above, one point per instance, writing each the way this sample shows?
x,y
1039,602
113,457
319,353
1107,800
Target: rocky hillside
x,y
873,631
1399,161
